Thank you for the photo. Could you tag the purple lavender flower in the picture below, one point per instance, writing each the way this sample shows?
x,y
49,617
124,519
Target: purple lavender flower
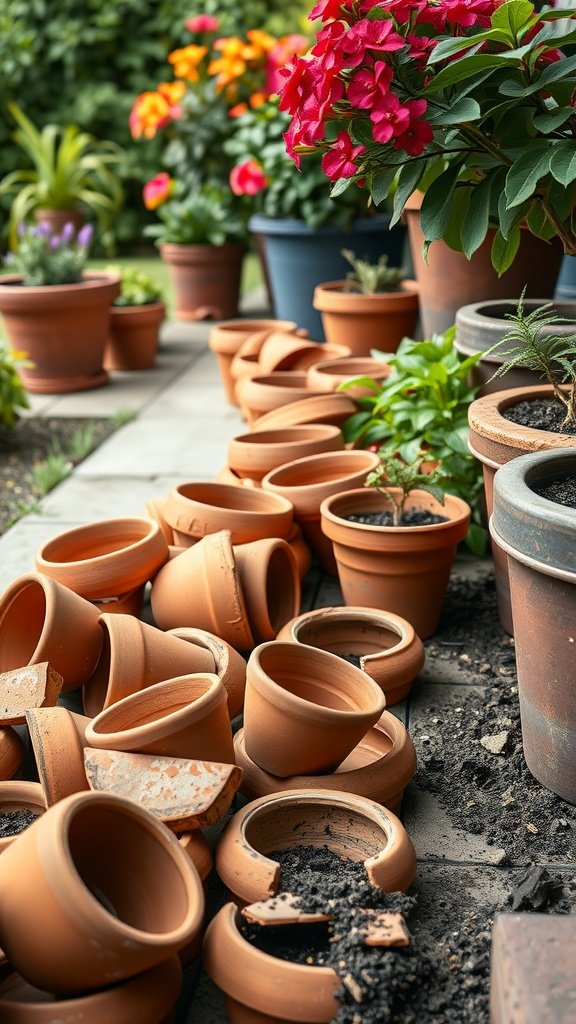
x,y
67,233
22,228
42,229
55,241
84,236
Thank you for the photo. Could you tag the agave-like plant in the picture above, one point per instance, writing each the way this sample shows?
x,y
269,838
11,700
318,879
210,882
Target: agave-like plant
x,y
70,167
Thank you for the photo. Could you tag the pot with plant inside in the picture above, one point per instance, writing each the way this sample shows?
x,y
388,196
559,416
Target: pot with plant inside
x,y
135,319
374,308
56,312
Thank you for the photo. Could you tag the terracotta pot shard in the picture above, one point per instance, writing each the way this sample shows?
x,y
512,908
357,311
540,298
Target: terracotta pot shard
x,y
36,686
58,738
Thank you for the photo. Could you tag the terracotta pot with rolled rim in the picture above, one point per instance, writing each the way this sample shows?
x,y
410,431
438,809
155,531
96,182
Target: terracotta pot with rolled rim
x,y
307,482
11,752
229,665
305,710
206,279
20,796
283,352
155,510
136,655
350,825
380,767
147,998
254,455
402,569
105,559
42,620
330,375
133,336
95,871
270,580
197,509
367,321
58,739
333,409
494,441
182,717
246,362
227,338
387,645
265,392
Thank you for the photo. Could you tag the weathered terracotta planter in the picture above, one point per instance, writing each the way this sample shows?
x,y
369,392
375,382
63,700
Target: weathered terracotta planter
x,y
380,767
206,279
330,375
228,664
11,752
138,897
331,409
254,455
364,322
494,441
263,393
196,847
305,710
136,655
197,509
18,796
155,511
42,620
133,339
226,340
182,717
58,738
280,353
405,569
389,649
307,482
270,579
56,219
538,537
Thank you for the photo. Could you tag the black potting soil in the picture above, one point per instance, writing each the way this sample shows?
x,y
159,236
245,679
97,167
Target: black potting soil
x,y
540,414
413,517
562,490
14,822
352,659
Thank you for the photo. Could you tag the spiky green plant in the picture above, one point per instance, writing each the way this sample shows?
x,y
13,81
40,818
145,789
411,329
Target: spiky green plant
x,y
372,278
405,476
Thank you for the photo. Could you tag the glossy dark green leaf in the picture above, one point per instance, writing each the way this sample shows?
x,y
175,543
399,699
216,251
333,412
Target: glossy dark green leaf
x,y
504,250
525,173
435,210
475,225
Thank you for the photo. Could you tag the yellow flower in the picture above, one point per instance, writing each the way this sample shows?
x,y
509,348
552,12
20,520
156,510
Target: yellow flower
x,y
186,61
263,41
226,70
172,92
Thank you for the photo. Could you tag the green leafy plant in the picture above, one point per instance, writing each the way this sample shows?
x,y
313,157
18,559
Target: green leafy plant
x,y
423,405
13,396
204,218
123,416
406,477
371,278
81,443
45,258
136,287
51,471
69,167
530,345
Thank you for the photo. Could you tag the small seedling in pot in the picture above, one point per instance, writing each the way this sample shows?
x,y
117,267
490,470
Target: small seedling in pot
x,y
406,477
553,356
372,278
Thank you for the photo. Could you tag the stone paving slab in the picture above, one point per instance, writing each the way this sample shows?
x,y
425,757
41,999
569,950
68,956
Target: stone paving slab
x,y
533,979
19,545
88,498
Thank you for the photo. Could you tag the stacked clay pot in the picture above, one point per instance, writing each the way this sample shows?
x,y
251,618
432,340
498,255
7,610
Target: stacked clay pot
x,y
228,337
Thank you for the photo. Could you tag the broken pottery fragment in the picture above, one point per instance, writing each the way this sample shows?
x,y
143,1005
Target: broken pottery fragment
x,y
35,686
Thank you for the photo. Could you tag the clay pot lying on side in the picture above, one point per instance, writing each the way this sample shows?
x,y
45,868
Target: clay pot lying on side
x,y
330,375
197,509
305,710
266,392
280,353
270,580
95,871
388,648
20,796
227,338
254,455
11,752
332,409
229,665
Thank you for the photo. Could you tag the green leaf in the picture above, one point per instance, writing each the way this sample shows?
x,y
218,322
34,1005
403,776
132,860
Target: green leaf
x,y
435,210
462,69
525,173
563,162
538,223
476,539
408,180
462,110
512,16
339,187
504,250
553,119
508,216
380,183
475,224
361,131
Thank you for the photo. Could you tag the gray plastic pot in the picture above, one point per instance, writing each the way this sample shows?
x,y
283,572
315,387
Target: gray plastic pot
x,y
539,538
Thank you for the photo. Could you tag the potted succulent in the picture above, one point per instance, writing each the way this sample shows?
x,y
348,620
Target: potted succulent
x,y
71,172
50,302
375,307
135,319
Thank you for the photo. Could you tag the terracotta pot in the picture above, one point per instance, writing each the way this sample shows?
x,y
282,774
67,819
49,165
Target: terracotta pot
x,y
229,665
307,482
253,455
380,767
351,826
265,392
182,717
57,219
106,558
389,649
246,362
42,620
58,739
447,280
197,509
330,375
155,510
133,339
402,569
11,752
305,710
538,536
301,551
18,796
229,477
147,998
331,409
494,441
206,279
282,352
136,655
95,871
196,847
129,603
262,989
46,323
270,580
226,340
366,322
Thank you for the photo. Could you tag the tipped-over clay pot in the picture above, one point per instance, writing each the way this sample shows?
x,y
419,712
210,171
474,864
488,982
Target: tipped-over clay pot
x,y
18,796
328,376
387,646
270,580
265,392
254,455
282,352
197,509
227,338
95,872
305,710
333,409
11,752
229,665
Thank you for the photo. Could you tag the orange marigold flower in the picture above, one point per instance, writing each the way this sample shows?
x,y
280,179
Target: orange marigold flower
x,y
150,112
186,61
263,41
226,71
257,99
172,92
157,190
238,110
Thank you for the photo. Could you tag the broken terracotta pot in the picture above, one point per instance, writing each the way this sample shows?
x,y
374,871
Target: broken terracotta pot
x,y
229,665
254,455
267,392
351,826
58,740
183,717
332,409
380,767
197,509
270,580
11,752
147,998
42,620
136,655
105,559
36,686
137,897
305,710
307,482
227,338
18,796
388,648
